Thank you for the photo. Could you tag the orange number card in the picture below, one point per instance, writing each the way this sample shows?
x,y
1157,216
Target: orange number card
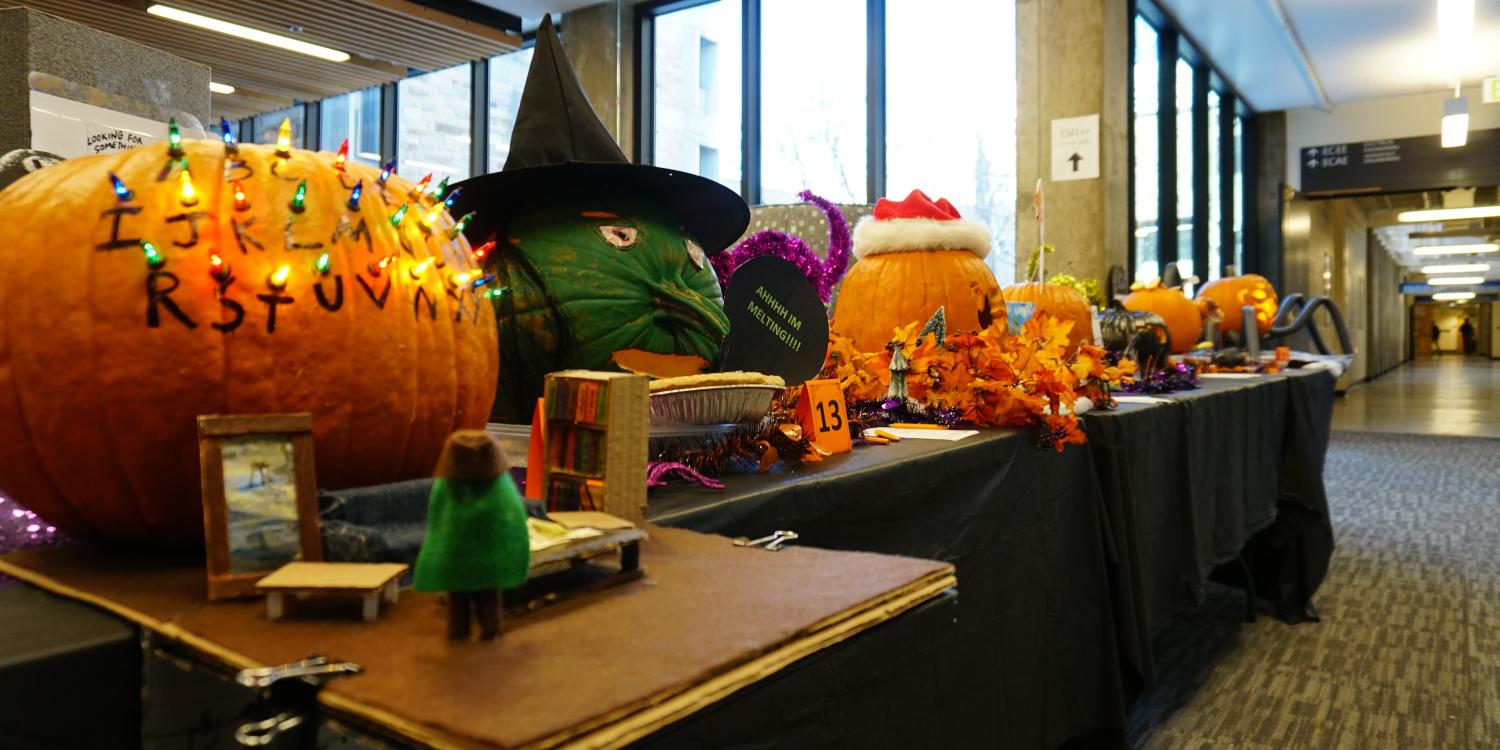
x,y
822,415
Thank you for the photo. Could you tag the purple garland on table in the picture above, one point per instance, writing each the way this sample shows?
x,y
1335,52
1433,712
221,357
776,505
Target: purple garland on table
x,y
658,471
1178,377
864,415
823,274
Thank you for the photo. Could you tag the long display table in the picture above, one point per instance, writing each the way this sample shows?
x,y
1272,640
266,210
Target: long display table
x,y
1067,561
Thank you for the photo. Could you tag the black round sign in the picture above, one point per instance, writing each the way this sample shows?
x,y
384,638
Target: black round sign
x,y
777,324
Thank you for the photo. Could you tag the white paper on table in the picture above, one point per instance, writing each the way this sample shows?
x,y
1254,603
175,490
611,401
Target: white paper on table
x,y
1230,375
905,433
1141,399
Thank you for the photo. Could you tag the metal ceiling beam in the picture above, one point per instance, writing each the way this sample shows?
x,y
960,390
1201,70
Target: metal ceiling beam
x,y
1293,42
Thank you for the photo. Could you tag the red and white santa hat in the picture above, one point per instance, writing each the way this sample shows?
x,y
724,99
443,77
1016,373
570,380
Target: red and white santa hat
x,y
918,223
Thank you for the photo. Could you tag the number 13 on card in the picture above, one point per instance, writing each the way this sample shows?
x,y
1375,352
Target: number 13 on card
x,y
821,412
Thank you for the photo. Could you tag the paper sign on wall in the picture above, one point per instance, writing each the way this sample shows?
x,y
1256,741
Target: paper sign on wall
x,y
1491,89
68,128
1075,148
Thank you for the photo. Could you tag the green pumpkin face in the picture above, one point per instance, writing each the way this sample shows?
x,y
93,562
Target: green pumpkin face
x,y
586,281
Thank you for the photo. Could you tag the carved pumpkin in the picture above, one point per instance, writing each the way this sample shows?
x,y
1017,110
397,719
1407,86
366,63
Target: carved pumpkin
x,y
110,349
591,278
1119,327
914,257
1183,319
1234,292
1061,302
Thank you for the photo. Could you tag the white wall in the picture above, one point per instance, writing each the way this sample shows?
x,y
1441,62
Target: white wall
x,y
1376,119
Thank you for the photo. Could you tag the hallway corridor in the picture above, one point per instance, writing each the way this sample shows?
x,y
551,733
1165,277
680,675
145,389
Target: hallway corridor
x,y
1446,395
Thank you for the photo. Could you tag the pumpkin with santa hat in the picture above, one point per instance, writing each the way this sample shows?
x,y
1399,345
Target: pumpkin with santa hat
x,y
913,257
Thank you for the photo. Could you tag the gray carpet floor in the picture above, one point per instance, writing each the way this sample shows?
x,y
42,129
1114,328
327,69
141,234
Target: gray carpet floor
x,y
1408,651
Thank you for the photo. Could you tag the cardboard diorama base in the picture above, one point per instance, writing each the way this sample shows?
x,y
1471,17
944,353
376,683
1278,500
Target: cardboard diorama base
x,y
598,670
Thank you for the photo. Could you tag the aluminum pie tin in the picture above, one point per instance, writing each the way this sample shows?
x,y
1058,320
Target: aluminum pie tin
x,y
712,404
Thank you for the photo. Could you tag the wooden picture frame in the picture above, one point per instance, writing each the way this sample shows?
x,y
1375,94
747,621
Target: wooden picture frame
x,y
259,447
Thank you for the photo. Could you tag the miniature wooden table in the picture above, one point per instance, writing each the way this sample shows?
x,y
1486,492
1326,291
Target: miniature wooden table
x,y
370,581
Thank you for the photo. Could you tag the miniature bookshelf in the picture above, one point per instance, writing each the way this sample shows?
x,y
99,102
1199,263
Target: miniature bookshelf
x,y
596,450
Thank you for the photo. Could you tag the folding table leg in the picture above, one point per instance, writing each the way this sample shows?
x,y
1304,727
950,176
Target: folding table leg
x,y
372,606
275,606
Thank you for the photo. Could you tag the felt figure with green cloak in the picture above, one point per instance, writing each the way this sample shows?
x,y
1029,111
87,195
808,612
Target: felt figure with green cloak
x,y
599,264
477,544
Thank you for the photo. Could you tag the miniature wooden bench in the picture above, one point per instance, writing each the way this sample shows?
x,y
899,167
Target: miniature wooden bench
x,y
370,581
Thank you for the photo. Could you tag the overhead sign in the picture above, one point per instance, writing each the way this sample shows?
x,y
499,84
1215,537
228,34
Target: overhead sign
x,y
1491,90
1418,287
1400,165
1075,148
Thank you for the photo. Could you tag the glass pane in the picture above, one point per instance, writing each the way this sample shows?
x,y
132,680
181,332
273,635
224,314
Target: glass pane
x,y
967,155
507,79
696,77
1184,168
1239,196
1147,189
813,98
1215,207
355,116
268,125
432,132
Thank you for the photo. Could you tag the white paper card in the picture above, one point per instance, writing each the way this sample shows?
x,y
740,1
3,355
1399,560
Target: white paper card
x,y
1141,400
906,433
1230,375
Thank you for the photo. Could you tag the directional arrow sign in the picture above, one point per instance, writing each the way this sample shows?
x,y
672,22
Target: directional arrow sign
x,y
1075,148
1312,163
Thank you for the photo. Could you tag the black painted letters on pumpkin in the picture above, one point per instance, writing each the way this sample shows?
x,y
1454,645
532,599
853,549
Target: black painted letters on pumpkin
x,y
291,240
384,293
158,296
191,218
416,303
235,308
241,237
115,240
232,165
338,294
355,232
272,301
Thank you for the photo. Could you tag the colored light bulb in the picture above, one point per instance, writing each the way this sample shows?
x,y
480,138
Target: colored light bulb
x,y
121,192
430,219
154,259
284,138
342,157
174,138
442,187
422,186
483,250
458,226
278,278
240,201
387,170
421,268
461,278
354,195
376,268
322,264
482,280
399,215
448,202
186,191
217,268
299,199
226,132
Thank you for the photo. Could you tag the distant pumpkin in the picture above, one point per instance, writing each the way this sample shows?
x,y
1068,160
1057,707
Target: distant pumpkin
x,y
1183,318
915,256
1232,293
1062,302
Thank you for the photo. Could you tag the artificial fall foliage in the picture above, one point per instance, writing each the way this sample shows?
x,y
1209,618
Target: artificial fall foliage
x,y
995,379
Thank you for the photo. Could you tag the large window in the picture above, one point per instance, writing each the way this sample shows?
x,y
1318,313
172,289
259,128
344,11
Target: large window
x,y
695,91
1144,78
268,126
1187,156
813,113
355,116
939,136
432,133
507,79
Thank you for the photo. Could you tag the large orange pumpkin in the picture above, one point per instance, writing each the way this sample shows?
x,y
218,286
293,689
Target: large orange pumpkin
x,y
241,304
1183,318
1232,293
1061,302
914,257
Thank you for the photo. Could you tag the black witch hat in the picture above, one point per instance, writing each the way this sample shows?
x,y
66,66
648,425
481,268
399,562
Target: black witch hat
x,y
560,147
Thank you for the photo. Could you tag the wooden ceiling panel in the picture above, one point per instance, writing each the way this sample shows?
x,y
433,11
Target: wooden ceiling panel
x,y
387,39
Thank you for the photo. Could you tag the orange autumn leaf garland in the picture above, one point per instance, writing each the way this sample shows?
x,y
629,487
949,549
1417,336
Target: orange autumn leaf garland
x,y
995,379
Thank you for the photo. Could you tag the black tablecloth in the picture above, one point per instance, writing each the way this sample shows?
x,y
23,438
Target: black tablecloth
x,y
1066,561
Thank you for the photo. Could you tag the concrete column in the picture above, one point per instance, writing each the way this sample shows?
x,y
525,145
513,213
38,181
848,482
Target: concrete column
x,y
1073,59
600,40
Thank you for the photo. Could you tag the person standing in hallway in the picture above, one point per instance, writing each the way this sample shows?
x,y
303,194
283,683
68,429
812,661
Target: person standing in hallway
x,y
1436,334
1466,336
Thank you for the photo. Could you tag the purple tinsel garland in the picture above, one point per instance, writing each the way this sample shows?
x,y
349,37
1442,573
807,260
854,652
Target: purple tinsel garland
x,y
880,413
1179,377
824,274
658,473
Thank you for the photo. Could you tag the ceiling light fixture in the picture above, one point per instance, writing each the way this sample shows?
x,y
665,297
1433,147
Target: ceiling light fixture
x,y
1455,122
220,88
245,32
1453,296
1458,268
1456,280
1455,33
1449,214
1473,249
